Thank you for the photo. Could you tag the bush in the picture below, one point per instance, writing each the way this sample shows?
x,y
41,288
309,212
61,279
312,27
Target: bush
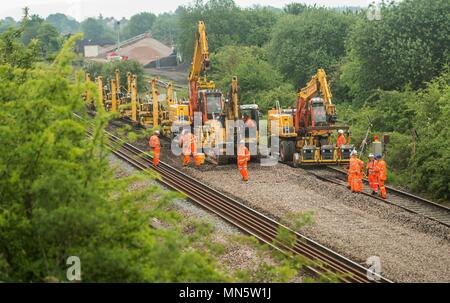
x,y
107,71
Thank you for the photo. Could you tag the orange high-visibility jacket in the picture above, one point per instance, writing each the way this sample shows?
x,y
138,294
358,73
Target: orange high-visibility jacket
x,y
356,166
340,140
187,141
243,156
372,168
154,142
381,165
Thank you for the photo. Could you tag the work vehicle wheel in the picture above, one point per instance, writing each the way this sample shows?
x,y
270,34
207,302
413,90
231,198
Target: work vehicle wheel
x,y
286,151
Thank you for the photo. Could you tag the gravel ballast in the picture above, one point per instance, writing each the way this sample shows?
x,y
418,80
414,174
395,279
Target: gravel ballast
x,y
238,255
411,248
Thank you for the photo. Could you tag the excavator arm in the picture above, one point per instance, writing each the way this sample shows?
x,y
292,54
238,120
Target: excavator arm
x,y
200,60
318,83
200,64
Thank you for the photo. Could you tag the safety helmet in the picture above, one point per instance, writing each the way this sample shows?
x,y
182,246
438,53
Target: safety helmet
x,y
378,156
156,132
371,155
340,131
242,141
354,153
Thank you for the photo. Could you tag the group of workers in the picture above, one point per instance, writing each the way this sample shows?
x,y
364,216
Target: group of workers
x,y
375,170
188,143
189,149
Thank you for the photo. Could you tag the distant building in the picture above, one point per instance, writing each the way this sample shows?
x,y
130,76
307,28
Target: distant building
x,y
142,48
91,51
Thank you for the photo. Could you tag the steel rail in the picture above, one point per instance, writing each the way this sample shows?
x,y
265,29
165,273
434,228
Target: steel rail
x,y
324,261
404,200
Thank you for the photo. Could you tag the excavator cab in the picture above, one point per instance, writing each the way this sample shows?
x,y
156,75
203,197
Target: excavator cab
x,y
319,113
211,103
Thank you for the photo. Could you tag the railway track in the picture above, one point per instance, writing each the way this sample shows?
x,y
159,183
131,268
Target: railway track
x,y
322,261
399,198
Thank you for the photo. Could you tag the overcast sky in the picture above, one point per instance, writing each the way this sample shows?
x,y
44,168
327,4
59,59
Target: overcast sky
x,y
81,9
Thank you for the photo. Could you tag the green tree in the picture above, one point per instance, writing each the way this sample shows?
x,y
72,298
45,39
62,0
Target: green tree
x,y
258,80
220,17
59,196
107,71
63,23
139,24
7,23
96,32
295,8
407,46
165,28
313,39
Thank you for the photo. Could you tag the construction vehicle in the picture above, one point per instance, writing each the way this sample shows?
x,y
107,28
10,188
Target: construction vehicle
x,y
308,137
215,136
178,113
234,111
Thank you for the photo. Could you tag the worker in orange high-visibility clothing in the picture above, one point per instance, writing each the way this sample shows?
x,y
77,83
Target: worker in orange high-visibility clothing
x,y
243,156
355,172
155,146
340,141
382,175
372,174
188,143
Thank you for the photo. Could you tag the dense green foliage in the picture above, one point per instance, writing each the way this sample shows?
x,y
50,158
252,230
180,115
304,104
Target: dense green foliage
x,y
63,24
226,24
97,32
107,71
138,24
408,46
59,196
258,80
165,27
7,23
303,43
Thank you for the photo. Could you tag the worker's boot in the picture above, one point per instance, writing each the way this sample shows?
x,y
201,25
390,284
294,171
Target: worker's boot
x,y
374,193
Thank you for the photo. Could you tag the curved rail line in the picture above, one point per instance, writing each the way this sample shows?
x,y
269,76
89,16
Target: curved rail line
x,y
322,261
399,198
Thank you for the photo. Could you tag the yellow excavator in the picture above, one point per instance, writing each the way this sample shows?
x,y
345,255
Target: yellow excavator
x,y
217,138
307,136
178,112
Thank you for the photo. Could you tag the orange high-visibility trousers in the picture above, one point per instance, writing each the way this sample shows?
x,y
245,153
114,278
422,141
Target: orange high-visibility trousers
x,y
186,160
356,185
373,182
197,160
383,192
156,153
244,172
349,180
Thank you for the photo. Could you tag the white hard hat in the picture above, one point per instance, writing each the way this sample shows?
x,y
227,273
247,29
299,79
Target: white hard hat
x,y
354,152
242,141
156,132
340,131
371,155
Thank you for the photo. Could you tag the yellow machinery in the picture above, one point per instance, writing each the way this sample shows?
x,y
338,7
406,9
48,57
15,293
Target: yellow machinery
x,y
308,137
216,140
178,113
